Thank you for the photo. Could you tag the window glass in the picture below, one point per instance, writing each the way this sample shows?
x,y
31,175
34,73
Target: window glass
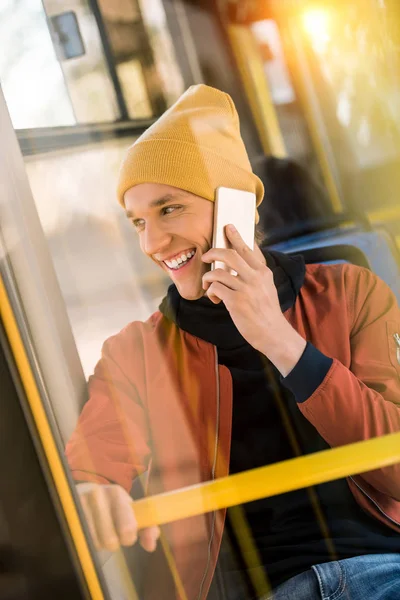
x,y
284,95
75,196
143,55
267,35
153,14
78,67
87,76
353,55
29,68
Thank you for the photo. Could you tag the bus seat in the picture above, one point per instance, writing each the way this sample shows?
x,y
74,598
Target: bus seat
x,y
374,250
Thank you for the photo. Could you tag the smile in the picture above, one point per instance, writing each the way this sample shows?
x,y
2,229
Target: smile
x,y
180,261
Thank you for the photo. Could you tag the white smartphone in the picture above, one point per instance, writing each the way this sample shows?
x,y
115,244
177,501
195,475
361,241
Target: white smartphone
x,y
237,208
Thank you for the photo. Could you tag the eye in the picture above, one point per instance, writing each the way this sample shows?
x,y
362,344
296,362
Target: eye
x,y
138,224
167,210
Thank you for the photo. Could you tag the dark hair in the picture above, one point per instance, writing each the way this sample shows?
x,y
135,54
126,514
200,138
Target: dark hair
x,y
291,194
259,235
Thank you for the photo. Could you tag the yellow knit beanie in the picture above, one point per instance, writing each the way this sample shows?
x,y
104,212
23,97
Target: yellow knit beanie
x,y
195,146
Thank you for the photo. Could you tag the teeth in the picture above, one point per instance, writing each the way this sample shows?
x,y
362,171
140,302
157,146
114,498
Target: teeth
x,y
179,260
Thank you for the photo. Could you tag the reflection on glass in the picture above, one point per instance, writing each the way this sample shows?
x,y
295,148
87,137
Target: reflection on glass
x,y
143,53
356,72
88,79
153,14
75,196
130,74
283,94
79,90
60,91
267,35
29,68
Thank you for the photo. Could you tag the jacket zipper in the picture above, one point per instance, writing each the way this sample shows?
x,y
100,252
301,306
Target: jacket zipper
x,y
213,473
397,340
375,503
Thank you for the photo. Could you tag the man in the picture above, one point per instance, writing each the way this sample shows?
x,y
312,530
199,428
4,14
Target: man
x,y
283,360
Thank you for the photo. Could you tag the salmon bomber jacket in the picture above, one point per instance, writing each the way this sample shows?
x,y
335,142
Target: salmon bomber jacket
x,y
160,402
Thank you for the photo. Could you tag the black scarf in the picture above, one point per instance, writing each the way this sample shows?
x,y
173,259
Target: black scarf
x,y
213,323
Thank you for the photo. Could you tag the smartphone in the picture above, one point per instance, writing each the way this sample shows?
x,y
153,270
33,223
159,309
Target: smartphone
x,y
237,208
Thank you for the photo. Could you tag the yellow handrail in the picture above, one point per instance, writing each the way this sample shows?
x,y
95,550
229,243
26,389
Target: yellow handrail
x,y
47,440
271,480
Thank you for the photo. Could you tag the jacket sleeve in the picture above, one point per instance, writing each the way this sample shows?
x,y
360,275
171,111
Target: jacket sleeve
x,y
347,405
111,441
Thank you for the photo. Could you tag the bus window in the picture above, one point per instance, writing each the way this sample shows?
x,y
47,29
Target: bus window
x,y
349,55
143,55
82,66
287,99
74,192
60,92
124,71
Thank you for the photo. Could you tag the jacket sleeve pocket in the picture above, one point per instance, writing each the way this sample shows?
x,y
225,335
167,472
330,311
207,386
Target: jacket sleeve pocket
x,y
393,331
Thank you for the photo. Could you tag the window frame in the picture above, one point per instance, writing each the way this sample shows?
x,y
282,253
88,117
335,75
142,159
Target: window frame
x,y
49,139
40,140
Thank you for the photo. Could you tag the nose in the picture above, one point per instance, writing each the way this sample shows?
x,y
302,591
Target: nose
x,y
155,239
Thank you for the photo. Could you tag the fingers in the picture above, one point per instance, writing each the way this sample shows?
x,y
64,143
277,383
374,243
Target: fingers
x,y
101,514
239,258
125,522
111,519
218,291
224,277
214,299
148,538
90,521
123,516
247,254
230,258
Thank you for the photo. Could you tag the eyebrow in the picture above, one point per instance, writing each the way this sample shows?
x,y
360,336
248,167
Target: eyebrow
x,y
157,203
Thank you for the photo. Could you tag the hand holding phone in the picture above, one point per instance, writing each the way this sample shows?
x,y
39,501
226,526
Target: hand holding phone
x,y
234,207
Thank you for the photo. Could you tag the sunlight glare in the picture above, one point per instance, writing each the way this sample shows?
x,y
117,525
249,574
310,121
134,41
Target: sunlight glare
x,y
316,24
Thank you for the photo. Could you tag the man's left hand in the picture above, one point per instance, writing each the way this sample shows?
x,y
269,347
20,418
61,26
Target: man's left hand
x,y
252,301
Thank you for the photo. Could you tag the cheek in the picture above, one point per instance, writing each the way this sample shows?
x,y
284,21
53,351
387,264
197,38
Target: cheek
x,y
141,244
209,220
203,269
204,228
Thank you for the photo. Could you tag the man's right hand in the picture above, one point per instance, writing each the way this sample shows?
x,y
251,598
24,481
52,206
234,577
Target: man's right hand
x,y
111,520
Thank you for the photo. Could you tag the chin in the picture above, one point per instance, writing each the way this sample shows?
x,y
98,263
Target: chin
x,y
191,294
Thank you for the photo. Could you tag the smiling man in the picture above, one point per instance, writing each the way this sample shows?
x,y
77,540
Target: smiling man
x,y
174,231
236,372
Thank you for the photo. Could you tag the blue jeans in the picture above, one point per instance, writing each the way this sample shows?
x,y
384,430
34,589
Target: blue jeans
x,y
370,577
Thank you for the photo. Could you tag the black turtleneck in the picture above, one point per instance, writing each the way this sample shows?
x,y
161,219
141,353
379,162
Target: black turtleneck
x,y
268,427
